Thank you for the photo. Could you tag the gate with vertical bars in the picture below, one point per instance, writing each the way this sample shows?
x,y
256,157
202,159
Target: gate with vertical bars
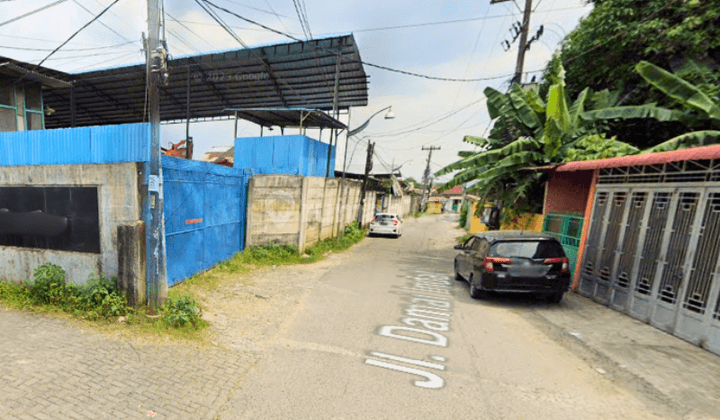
x,y
653,247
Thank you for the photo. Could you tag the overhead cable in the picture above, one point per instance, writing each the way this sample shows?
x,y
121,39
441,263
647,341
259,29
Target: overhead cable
x,y
32,13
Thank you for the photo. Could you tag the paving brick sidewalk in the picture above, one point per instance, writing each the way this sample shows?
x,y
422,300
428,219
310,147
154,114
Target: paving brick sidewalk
x,y
52,370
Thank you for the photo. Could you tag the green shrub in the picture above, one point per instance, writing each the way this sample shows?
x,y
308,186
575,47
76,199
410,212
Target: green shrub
x,y
177,312
49,285
100,298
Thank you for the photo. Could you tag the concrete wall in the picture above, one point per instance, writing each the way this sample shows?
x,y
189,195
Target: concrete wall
x,y
118,204
526,221
294,210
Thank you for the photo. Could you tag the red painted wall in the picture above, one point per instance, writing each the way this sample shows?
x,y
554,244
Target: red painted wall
x,y
567,192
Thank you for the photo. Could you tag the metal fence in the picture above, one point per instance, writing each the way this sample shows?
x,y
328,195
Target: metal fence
x,y
205,207
284,155
653,252
568,230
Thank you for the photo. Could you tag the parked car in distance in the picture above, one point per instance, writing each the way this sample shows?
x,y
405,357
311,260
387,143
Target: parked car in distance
x,y
513,261
386,224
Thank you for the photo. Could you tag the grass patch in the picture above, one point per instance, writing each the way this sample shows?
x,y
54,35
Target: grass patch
x,y
462,239
419,214
99,302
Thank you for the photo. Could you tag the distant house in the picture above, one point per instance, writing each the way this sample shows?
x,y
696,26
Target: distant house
x,y
453,199
220,155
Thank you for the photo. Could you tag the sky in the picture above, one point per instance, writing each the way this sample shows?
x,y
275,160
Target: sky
x,y
448,39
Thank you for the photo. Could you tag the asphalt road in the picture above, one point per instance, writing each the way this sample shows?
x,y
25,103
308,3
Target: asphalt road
x,y
389,334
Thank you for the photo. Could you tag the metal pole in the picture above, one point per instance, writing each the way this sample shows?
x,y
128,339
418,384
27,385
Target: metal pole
x,y
347,136
335,112
368,167
155,239
236,122
523,42
187,118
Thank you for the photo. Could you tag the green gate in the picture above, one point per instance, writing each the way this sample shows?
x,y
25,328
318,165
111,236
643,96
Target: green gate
x,y
568,230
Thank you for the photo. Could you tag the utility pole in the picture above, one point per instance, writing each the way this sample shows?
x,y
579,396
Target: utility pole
x,y
523,42
368,168
156,58
426,176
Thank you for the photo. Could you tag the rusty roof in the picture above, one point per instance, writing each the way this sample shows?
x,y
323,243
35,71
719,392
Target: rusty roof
x,y
694,153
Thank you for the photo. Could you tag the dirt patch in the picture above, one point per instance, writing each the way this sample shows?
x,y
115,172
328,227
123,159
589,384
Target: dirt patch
x,y
246,311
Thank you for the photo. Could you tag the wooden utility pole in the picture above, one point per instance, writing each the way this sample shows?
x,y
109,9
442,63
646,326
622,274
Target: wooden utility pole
x,y
368,168
426,176
156,58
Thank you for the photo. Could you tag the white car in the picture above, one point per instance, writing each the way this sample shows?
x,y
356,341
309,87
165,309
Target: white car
x,y
386,224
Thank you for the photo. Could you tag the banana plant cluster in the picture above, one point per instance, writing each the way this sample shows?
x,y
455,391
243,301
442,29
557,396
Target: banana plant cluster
x,y
528,132
699,109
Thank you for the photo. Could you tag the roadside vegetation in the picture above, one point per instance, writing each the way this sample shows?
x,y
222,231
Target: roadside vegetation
x,y
632,78
98,301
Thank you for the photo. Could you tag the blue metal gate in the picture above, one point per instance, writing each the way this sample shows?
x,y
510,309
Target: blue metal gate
x,y
205,207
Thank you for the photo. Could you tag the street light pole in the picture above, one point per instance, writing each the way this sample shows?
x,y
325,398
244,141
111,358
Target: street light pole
x,y
360,128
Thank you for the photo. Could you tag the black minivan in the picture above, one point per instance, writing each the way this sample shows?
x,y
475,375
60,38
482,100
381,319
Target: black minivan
x,y
514,261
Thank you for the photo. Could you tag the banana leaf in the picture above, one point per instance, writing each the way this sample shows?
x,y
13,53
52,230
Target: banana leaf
x,y
495,102
679,89
635,111
523,110
695,138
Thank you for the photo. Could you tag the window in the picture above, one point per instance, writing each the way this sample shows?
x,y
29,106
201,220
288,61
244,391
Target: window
x,y
34,117
8,120
528,249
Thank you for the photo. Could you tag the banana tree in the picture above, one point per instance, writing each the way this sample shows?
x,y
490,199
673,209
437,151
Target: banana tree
x,y
528,132
700,111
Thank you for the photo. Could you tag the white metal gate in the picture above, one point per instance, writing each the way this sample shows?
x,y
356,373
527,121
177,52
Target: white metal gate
x,y
653,251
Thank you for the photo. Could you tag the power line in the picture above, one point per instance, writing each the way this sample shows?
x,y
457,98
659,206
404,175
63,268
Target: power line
x,y
189,30
408,73
69,49
77,32
32,13
101,22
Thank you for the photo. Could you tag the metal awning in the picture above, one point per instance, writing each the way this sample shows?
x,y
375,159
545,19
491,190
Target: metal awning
x,y
14,68
293,117
298,74
644,159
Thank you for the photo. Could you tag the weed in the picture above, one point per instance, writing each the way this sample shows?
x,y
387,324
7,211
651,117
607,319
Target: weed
x,y
180,311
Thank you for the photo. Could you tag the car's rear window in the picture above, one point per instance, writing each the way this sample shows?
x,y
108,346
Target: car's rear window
x,y
383,217
527,249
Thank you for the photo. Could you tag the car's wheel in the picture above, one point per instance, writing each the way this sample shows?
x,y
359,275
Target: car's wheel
x,y
457,274
475,292
555,297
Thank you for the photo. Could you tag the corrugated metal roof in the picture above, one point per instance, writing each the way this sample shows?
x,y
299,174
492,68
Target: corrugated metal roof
x,y
19,69
695,153
296,117
285,75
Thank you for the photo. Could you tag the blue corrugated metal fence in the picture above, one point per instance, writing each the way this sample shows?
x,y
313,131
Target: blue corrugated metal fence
x,y
74,146
288,155
205,208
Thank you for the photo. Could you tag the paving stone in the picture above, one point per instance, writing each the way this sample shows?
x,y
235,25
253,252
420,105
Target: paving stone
x,y
51,369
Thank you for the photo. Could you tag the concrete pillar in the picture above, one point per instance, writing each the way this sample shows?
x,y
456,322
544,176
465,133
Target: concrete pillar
x,y
303,215
131,262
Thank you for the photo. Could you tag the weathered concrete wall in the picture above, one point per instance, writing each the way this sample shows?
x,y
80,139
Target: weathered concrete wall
x,y
293,210
397,205
274,212
118,204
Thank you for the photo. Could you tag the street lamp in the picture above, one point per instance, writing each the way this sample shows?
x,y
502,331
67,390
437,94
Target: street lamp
x,y
389,116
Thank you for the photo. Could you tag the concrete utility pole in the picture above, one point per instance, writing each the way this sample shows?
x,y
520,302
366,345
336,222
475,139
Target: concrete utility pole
x,y
368,168
523,42
156,57
426,176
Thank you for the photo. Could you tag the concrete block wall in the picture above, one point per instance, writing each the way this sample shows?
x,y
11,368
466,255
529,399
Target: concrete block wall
x,y
293,210
118,204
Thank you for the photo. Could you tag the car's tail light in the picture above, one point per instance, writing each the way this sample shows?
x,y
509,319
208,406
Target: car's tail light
x,y
564,268
489,263
396,222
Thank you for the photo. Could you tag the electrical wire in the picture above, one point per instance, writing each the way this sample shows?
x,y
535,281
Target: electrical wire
x,y
101,22
69,49
32,12
190,30
407,73
77,32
